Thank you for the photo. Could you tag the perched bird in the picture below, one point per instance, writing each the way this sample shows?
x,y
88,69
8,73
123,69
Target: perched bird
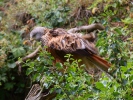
x,y
59,43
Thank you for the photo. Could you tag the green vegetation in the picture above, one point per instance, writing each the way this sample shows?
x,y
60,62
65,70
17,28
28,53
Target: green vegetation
x,y
115,44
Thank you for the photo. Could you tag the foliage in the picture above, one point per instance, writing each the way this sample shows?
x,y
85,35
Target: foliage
x,y
73,81
114,43
57,18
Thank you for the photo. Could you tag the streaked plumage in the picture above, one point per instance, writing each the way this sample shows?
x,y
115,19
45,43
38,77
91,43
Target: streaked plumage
x,y
60,43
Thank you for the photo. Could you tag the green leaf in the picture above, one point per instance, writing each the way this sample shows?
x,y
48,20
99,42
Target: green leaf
x,y
1,36
49,15
114,5
116,93
124,69
59,65
67,9
36,77
124,82
118,30
92,20
60,20
29,70
12,65
100,86
128,20
3,78
9,85
17,52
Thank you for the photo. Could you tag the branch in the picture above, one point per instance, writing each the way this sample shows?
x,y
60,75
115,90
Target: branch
x,y
32,55
89,28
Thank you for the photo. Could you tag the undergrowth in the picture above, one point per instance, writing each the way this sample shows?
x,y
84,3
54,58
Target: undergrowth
x,y
114,44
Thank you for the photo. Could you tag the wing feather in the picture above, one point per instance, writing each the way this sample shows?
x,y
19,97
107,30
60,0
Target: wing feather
x,y
71,43
76,45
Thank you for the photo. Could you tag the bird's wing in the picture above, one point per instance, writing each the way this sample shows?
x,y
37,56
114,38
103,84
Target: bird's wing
x,y
72,43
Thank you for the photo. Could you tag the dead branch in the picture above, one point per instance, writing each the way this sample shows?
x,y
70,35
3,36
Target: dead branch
x,y
34,93
31,55
89,28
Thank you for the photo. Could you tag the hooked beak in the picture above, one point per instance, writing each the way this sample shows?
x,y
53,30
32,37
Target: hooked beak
x,y
31,39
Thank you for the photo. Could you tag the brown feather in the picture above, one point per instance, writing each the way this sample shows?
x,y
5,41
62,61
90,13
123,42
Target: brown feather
x,y
77,46
100,62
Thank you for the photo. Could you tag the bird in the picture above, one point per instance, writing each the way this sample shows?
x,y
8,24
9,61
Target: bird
x,y
59,43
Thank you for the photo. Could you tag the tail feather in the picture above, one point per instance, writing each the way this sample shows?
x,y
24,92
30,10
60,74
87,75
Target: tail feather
x,y
100,62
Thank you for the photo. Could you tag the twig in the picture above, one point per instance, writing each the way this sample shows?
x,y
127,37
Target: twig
x,y
31,55
89,28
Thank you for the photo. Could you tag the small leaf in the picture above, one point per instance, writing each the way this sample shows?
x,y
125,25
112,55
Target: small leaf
x,y
67,9
17,52
100,86
28,71
128,20
49,15
12,65
114,5
1,36
9,85
116,93
59,65
118,30
60,20
124,69
124,82
92,20
36,77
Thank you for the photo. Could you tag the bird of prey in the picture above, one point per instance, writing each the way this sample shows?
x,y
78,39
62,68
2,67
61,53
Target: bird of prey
x,y
59,43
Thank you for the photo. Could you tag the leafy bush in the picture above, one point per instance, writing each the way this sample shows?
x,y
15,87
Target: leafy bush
x,y
114,43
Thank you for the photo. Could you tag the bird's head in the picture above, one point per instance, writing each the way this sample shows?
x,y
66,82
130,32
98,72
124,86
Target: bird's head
x,y
37,33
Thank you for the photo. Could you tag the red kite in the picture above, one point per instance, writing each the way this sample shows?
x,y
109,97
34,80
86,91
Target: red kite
x,y
60,43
